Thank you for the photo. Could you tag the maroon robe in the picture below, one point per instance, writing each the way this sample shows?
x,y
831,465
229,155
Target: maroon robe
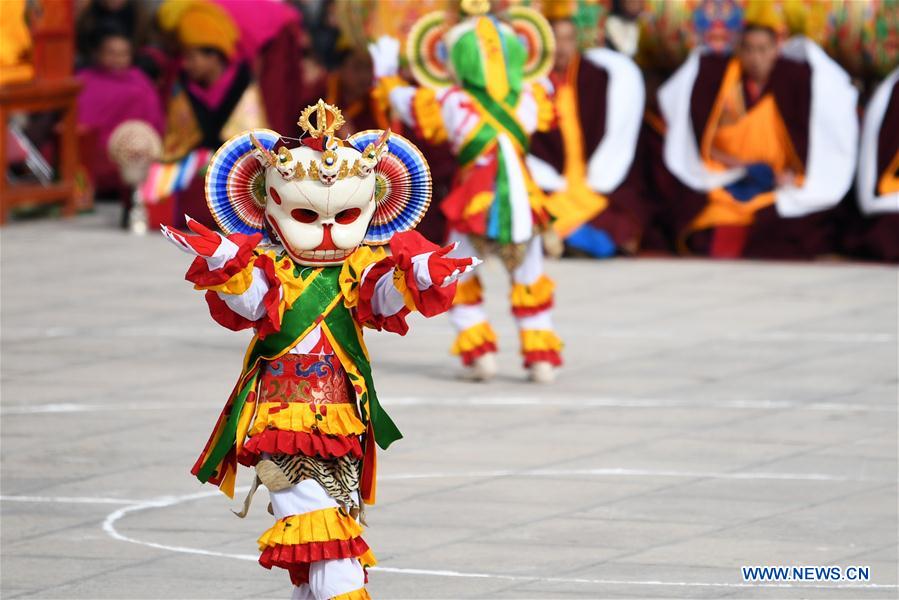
x,y
628,212
876,236
270,41
664,190
280,70
770,236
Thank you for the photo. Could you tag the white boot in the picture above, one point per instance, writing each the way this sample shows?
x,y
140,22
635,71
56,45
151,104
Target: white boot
x,y
483,368
542,372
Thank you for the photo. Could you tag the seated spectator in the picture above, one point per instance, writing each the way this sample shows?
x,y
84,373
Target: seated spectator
x,y
587,162
128,16
762,143
114,91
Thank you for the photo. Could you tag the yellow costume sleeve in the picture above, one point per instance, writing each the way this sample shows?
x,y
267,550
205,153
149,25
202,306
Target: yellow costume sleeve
x,y
545,109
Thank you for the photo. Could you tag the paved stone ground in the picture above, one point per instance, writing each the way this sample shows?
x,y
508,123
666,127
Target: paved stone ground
x,y
711,415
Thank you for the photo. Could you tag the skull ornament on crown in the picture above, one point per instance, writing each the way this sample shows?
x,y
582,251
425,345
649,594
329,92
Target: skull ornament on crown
x,y
325,198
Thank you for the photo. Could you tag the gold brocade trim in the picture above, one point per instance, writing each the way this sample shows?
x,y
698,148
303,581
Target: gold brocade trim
x,y
351,272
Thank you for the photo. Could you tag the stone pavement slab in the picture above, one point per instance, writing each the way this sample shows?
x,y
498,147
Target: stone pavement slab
x,y
710,415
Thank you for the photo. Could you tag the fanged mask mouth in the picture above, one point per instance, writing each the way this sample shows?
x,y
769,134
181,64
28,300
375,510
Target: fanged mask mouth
x,y
310,256
325,255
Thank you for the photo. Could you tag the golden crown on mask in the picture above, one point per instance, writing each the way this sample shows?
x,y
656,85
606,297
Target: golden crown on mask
x,y
328,119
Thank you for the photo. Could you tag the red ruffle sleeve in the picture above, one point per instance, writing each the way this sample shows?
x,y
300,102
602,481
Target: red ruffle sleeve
x,y
433,300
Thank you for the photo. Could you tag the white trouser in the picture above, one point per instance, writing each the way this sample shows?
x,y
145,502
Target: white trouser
x,y
463,316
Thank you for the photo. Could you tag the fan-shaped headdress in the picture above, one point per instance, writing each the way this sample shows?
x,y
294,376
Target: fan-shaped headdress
x,y
235,181
493,53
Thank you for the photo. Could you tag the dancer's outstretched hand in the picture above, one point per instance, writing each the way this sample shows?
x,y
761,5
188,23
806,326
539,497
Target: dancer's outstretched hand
x,y
208,243
385,56
445,270
204,243
427,263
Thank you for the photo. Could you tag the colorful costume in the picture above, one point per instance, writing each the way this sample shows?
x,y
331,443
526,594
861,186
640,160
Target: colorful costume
x,y
371,111
479,93
304,410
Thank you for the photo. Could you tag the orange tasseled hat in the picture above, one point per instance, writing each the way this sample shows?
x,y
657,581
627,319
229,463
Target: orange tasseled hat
x,y
200,23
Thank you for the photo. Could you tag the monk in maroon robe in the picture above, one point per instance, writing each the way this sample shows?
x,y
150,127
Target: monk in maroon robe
x,y
586,164
757,166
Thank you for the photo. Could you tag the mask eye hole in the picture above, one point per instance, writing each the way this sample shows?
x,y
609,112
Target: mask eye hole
x,y
274,195
345,217
304,215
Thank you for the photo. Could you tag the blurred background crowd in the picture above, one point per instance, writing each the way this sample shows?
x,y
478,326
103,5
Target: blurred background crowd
x,y
726,128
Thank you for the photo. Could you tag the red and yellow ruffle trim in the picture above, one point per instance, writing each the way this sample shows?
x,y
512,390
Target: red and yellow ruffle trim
x,y
353,268
360,594
287,556
236,284
430,301
541,345
474,342
330,419
234,276
533,298
274,307
275,441
396,322
433,299
323,525
328,534
469,291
